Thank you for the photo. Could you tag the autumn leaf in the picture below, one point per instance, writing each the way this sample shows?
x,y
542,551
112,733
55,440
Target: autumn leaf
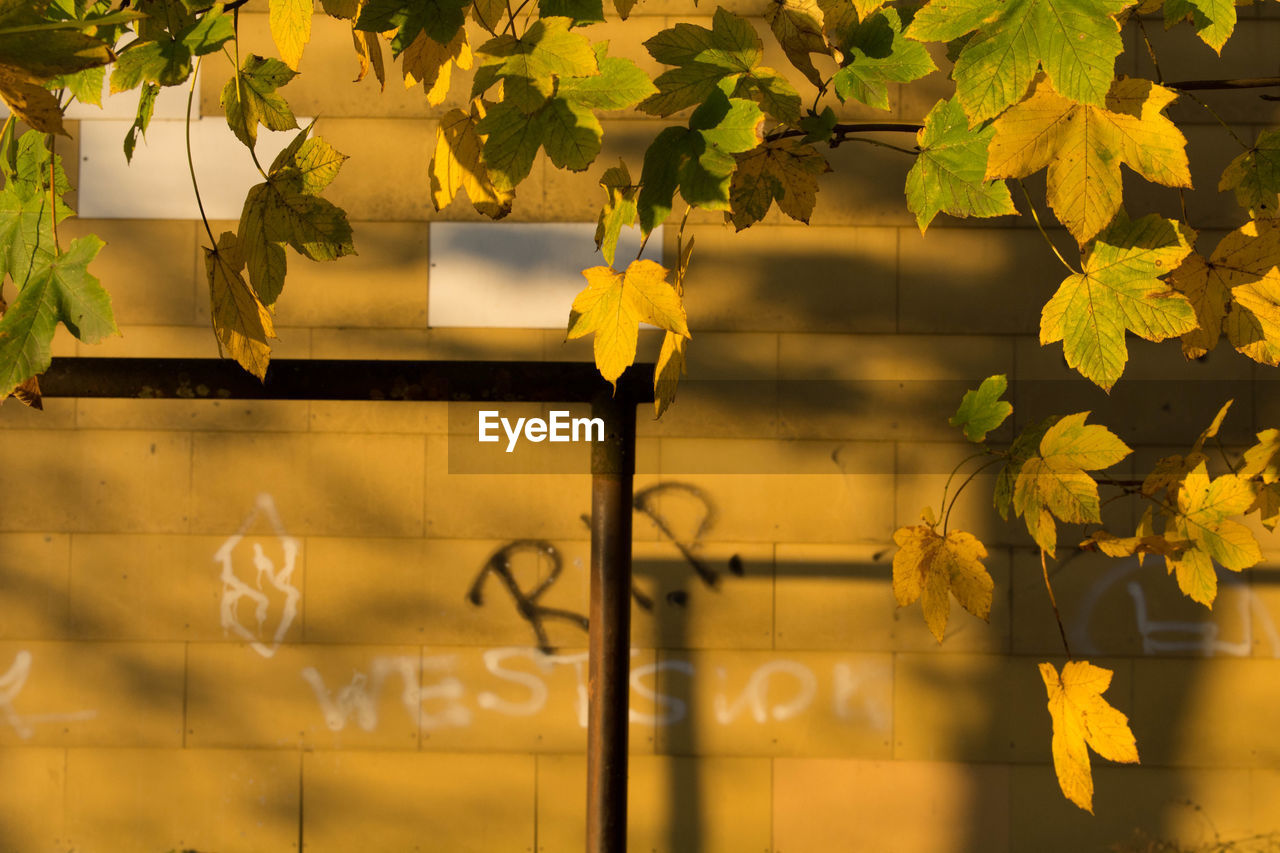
x,y
619,210
1076,42
287,210
430,63
1255,175
459,164
249,99
1025,446
1169,471
1248,263
1119,290
982,410
932,568
30,101
290,22
1209,295
1054,482
240,320
1204,508
1083,147
797,24
1263,459
1083,719
781,170
614,304
440,19
668,371
671,359
949,175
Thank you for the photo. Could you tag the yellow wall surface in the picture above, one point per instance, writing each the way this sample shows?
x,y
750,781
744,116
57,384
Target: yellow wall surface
x,y
246,626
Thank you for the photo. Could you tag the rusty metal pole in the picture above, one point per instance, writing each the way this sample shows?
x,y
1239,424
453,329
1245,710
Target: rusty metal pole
x,y
609,636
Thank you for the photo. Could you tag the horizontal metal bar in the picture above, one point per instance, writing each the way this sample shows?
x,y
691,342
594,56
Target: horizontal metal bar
x,y
338,379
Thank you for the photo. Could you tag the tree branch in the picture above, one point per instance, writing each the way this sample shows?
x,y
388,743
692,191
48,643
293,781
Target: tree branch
x,y
1244,83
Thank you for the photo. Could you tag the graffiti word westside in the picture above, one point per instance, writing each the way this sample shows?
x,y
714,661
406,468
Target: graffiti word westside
x,y
560,427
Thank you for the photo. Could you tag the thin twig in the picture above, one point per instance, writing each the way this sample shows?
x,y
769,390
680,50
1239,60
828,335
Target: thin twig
x,y
946,487
1044,567
840,131
253,155
1243,83
876,142
1035,216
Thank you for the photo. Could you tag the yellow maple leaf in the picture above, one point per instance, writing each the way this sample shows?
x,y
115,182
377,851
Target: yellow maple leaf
x,y
240,321
430,63
1083,147
1205,288
931,567
614,304
290,22
1081,719
459,164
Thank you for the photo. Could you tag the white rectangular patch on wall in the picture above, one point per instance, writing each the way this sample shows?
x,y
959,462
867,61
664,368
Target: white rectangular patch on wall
x,y
158,184
516,275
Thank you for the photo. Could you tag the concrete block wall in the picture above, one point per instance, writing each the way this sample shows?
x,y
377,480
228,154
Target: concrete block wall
x,y
245,626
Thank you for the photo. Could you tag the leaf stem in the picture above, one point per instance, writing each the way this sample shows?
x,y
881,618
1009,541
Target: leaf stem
x,y
946,515
1062,632
191,165
1219,85
838,140
1036,217
235,24
946,487
475,6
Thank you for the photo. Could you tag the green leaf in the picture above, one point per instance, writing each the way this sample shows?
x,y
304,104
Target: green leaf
x,y
85,85
773,92
949,175
26,232
59,290
1024,447
1076,42
705,57
249,99
1120,290
146,106
511,142
982,410
439,19
619,85
1214,20
660,176
1255,176
546,50
571,134
683,87
877,54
